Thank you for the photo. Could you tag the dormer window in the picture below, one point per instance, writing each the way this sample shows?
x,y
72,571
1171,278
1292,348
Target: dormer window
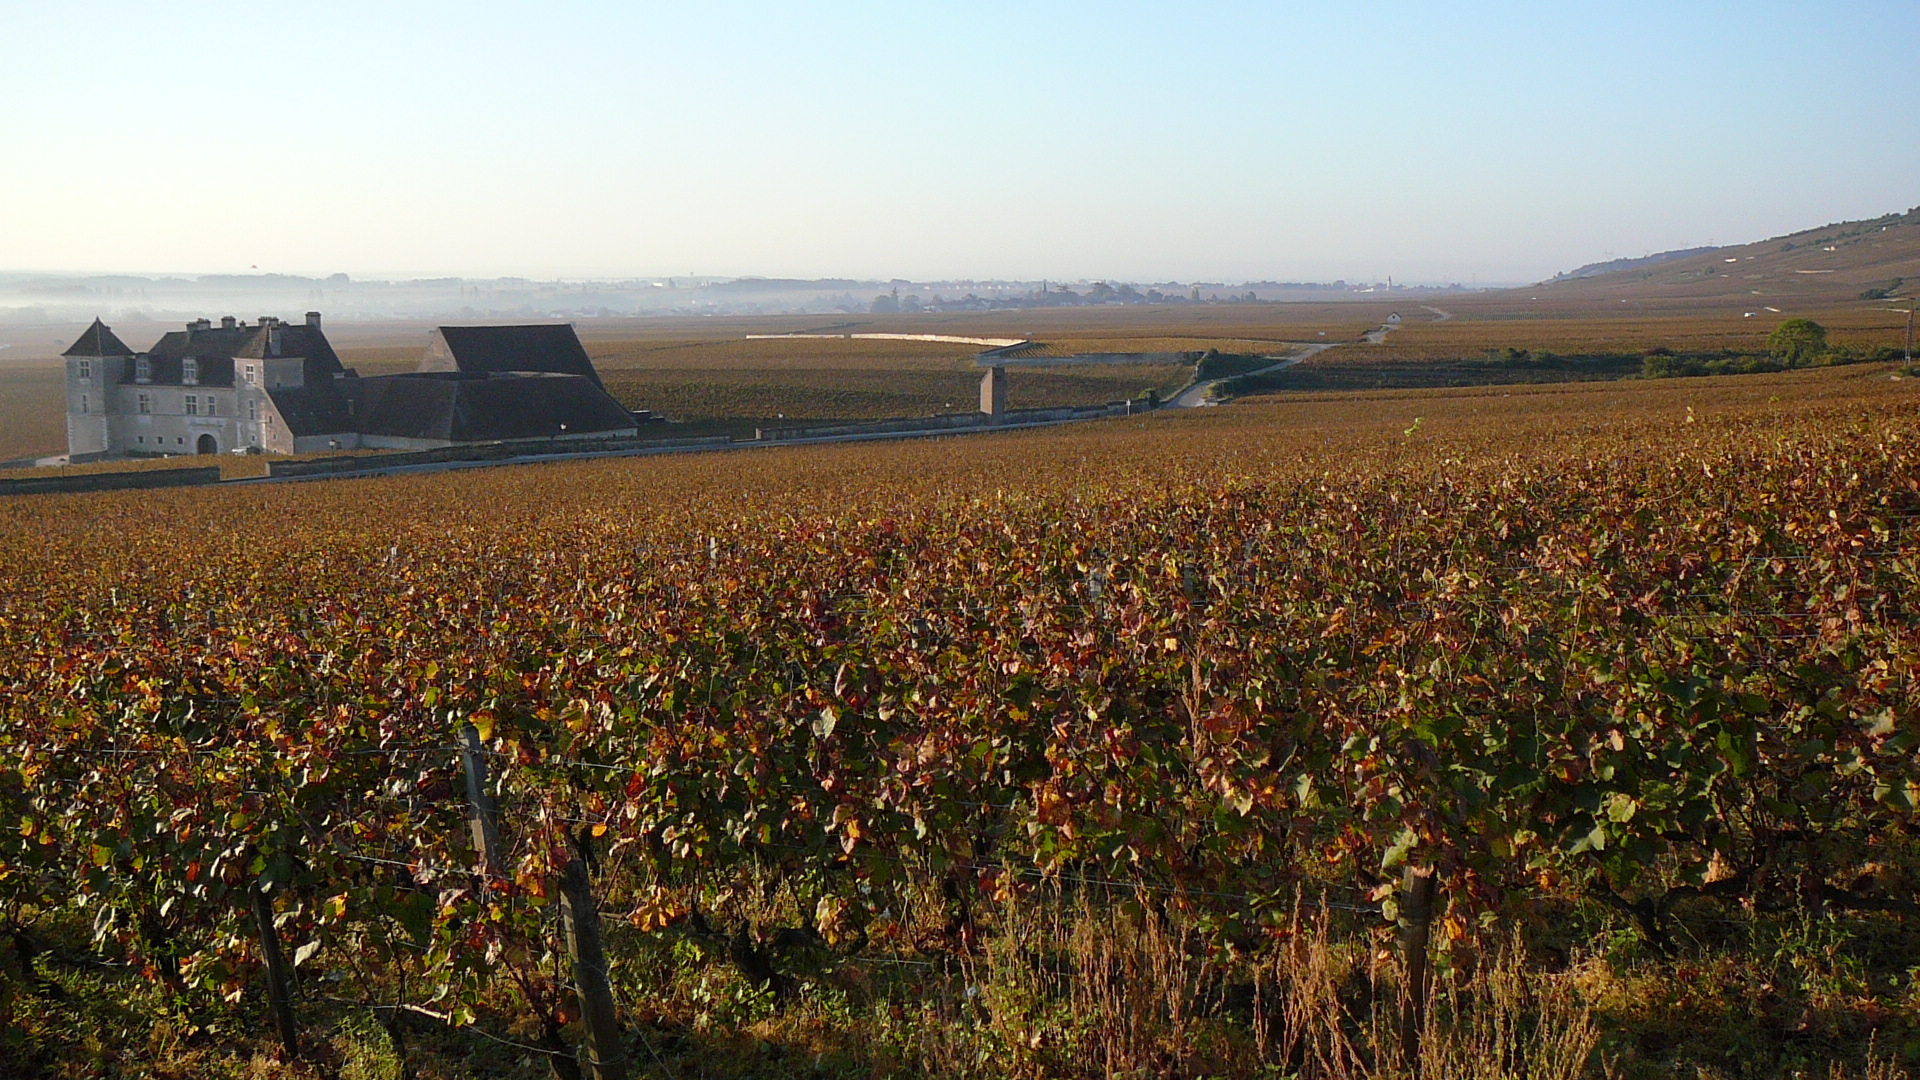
x,y
251,374
86,369
189,370
142,369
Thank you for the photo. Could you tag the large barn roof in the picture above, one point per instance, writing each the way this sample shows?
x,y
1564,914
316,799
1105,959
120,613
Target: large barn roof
x,y
461,407
316,409
552,348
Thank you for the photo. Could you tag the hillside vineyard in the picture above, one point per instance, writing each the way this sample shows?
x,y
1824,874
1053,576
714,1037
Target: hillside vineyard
x,y
1637,644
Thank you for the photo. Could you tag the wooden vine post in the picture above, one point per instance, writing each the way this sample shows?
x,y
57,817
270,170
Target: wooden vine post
x,y
606,1057
279,974
482,815
1416,930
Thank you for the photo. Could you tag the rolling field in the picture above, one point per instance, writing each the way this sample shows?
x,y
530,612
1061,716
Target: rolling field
x,y
1116,750
1479,326
33,419
704,372
733,379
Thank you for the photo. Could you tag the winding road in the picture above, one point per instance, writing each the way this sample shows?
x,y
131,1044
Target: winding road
x,y
1195,395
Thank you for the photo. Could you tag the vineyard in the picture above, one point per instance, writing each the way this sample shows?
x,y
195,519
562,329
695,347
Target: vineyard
x,y
1561,731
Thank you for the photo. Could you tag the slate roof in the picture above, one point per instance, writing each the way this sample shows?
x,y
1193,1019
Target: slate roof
x,y
216,348
471,407
476,383
548,347
313,409
97,340
247,342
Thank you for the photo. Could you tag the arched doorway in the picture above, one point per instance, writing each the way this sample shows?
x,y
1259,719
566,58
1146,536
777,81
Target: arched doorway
x,y
207,445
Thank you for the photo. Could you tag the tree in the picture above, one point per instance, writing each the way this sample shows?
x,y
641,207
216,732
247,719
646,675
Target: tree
x,y
1798,341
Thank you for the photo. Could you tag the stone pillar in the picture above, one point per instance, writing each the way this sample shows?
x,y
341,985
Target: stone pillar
x,y
993,391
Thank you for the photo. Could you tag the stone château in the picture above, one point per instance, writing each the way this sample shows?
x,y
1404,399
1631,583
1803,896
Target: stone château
x,y
278,387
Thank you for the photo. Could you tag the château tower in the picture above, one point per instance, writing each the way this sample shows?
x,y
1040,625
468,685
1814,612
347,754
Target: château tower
x,y
96,364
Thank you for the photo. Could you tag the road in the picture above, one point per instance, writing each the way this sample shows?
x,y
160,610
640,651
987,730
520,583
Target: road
x,y
1195,396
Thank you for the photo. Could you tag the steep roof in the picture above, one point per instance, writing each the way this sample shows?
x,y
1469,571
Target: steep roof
x,y
248,343
216,347
313,409
548,347
462,407
97,340
170,371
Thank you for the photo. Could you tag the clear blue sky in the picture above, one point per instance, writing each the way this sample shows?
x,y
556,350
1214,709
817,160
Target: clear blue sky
x,y
1140,141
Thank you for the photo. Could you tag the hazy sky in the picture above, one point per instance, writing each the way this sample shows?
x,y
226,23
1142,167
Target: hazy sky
x,y
1140,141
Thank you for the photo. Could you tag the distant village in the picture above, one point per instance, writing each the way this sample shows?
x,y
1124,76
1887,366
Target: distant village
x,y
127,299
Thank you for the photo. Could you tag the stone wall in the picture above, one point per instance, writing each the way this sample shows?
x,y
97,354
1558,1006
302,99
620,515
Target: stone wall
x,y
111,481
496,451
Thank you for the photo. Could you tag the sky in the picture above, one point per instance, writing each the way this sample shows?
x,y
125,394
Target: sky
x,y
1166,141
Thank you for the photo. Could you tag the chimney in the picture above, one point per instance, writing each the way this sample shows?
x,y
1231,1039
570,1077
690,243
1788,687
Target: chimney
x,y
226,322
200,324
313,320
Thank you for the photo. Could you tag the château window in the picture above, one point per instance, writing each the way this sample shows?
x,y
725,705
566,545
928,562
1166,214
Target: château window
x,y
86,369
189,370
213,405
250,374
253,408
142,369
83,404
146,403
193,405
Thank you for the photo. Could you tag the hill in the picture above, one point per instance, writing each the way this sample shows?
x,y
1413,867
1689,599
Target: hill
x,y
1839,262
1612,265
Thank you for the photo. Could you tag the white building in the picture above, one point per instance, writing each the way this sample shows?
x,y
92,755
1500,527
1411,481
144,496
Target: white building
x,y
202,390
278,387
